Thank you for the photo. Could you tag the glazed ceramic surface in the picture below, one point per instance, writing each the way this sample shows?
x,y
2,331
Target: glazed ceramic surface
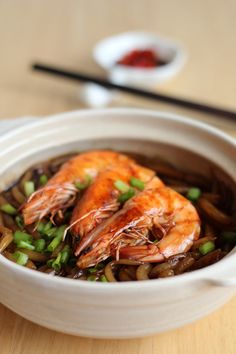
x,y
116,310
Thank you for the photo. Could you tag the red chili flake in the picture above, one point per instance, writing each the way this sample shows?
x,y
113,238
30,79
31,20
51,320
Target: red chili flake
x,y
140,58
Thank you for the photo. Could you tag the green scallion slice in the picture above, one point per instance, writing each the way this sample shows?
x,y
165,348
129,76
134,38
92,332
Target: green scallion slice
x,y
121,186
51,232
60,231
21,258
8,209
47,227
229,236
40,227
43,179
80,185
22,236
26,245
56,264
137,183
19,222
194,194
39,245
207,248
103,279
29,188
126,196
65,254
49,263
83,185
96,268
53,244
92,270
57,239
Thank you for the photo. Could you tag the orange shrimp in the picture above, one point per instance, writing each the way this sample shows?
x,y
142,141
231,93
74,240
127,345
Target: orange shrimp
x,y
60,190
126,233
100,200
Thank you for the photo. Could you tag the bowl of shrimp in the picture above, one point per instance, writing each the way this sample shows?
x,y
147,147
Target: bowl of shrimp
x,y
117,223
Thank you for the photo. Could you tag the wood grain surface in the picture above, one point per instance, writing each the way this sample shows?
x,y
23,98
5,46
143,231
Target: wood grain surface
x,y
64,32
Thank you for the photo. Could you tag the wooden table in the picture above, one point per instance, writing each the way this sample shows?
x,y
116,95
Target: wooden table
x,y
64,32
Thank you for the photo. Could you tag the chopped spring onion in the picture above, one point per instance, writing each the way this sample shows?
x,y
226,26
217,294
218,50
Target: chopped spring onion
x,y
96,268
91,278
22,236
19,222
60,231
29,188
103,279
92,270
126,196
194,194
57,239
229,236
56,264
40,245
121,186
65,254
26,245
83,185
207,247
8,209
51,232
47,227
43,180
137,183
49,263
21,258
54,243
40,227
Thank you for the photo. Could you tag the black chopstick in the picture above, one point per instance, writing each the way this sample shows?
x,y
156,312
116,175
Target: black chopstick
x,y
76,76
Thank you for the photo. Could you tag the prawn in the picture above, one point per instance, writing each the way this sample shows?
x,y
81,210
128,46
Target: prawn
x,y
101,200
126,233
60,191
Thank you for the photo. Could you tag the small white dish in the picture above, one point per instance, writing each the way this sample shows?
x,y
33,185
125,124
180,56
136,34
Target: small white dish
x,y
110,50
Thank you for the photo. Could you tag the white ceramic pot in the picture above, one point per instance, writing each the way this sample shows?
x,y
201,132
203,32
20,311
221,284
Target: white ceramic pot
x,y
116,310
